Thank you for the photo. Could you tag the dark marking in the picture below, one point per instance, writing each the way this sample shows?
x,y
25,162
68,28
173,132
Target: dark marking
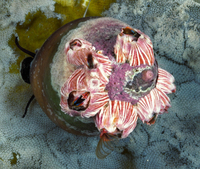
x,y
137,90
24,50
79,101
25,69
90,61
29,102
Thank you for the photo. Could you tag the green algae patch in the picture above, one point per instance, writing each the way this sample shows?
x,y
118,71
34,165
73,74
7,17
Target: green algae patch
x,y
32,34
97,7
36,29
69,13
14,160
15,67
21,88
72,10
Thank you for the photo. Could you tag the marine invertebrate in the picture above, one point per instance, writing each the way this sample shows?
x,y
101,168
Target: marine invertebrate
x,y
115,84
131,85
170,140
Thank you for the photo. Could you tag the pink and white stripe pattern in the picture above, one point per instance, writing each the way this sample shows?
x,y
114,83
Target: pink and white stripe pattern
x,y
156,102
134,46
117,117
84,92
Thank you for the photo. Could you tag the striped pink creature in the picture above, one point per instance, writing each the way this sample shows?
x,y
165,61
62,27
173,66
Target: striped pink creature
x,y
116,92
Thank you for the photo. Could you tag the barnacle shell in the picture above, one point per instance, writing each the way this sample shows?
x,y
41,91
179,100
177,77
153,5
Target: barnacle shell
x,y
118,116
134,46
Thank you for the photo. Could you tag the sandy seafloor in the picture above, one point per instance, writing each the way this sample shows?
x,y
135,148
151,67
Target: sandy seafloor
x,y
172,142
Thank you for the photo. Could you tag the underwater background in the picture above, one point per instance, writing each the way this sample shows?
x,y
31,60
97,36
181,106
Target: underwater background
x,y
36,142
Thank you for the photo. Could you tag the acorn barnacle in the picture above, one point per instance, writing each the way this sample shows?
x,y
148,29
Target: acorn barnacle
x,y
100,75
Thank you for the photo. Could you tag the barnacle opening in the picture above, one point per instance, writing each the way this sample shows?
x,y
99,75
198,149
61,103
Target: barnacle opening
x,y
75,42
139,83
78,102
106,136
152,119
90,61
130,31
